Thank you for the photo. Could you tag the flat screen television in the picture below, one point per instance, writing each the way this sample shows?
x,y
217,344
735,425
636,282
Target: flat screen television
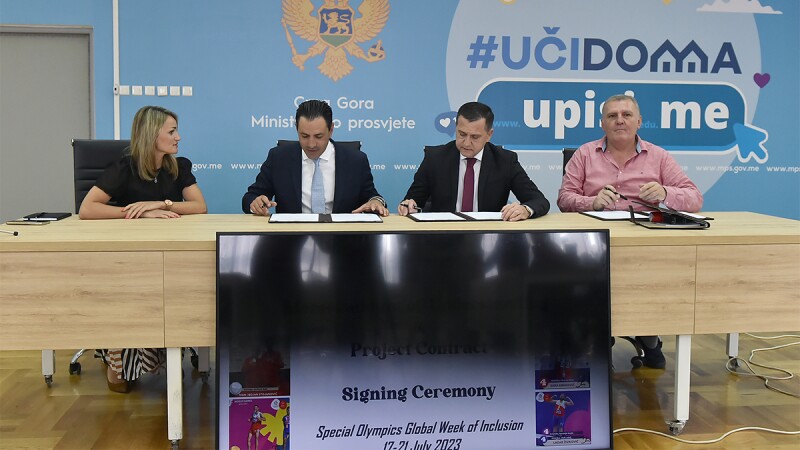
x,y
413,340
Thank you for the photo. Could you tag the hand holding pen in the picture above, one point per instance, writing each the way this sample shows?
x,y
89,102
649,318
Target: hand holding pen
x,y
261,205
606,198
407,207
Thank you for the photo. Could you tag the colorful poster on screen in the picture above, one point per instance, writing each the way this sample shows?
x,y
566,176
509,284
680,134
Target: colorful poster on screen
x,y
377,342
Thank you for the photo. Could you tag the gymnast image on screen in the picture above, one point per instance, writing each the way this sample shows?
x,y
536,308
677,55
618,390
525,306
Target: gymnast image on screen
x,y
560,411
256,425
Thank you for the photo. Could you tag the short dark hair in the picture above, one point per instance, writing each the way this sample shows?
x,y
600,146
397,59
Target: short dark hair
x,y
473,111
311,109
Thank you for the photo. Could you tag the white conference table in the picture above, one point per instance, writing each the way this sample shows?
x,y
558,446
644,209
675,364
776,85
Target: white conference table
x,y
152,283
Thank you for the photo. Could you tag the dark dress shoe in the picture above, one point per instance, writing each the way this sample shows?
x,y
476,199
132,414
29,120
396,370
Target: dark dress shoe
x,y
653,357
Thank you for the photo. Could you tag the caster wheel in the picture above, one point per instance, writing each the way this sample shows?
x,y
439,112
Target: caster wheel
x,y
48,379
204,376
676,428
637,362
75,368
733,363
175,444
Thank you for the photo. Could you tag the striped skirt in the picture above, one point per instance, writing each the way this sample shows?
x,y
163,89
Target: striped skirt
x,y
133,362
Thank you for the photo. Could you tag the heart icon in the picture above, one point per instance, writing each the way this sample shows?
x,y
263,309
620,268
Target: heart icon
x,y
445,123
761,79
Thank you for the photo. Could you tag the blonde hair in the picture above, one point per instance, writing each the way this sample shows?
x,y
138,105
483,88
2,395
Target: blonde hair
x,y
146,126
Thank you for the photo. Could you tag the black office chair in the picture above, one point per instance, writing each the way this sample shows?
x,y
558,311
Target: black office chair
x,y
636,361
567,152
90,159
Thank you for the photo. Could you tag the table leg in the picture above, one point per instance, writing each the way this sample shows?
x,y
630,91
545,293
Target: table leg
x,y
48,366
174,396
204,362
683,371
732,343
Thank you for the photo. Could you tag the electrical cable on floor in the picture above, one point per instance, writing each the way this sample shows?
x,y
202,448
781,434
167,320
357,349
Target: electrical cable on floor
x,y
766,378
709,441
750,363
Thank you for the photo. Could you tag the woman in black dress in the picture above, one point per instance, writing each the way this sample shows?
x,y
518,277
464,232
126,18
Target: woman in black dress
x,y
148,182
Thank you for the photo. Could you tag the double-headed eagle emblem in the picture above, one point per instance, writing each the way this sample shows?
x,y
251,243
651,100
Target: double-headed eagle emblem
x,y
335,30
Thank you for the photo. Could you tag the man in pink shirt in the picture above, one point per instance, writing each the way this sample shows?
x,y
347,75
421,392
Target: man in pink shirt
x,y
608,173
602,174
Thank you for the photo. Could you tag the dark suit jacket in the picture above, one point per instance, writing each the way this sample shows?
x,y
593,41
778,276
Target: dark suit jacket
x,y
281,178
437,180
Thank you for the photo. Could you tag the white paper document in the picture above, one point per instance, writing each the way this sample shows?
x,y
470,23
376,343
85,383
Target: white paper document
x,y
484,215
344,218
436,217
696,216
293,218
614,215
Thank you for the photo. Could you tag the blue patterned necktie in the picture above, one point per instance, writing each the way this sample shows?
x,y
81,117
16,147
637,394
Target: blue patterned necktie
x,y
317,190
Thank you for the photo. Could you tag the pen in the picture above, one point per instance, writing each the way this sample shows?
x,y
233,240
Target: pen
x,y
405,205
13,233
615,192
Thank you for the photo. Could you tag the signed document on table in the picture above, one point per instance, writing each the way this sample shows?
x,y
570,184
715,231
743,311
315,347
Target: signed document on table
x,y
349,218
614,215
483,215
436,217
324,218
456,217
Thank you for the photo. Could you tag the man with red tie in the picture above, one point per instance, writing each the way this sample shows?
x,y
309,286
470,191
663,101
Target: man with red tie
x,y
472,174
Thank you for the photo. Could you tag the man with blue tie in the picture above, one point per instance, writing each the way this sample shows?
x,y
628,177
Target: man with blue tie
x,y
315,175
472,174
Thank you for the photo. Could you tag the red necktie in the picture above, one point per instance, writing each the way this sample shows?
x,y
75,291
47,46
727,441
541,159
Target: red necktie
x,y
469,186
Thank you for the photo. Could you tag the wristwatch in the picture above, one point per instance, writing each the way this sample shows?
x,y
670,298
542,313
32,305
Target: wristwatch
x,y
380,199
168,204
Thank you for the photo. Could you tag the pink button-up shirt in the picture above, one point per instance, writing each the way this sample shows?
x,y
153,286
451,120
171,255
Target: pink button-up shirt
x,y
591,168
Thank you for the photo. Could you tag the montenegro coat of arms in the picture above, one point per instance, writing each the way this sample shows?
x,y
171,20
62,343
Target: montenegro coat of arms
x,y
336,32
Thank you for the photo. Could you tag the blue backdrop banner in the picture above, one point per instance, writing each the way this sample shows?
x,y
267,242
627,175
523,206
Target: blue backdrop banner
x,y
720,91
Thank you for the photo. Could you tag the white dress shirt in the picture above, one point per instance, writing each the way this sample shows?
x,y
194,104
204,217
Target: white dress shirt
x,y
327,163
